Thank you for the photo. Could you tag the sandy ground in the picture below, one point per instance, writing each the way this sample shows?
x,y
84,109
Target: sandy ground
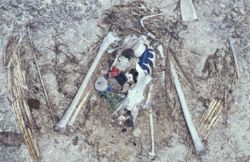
x,y
65,34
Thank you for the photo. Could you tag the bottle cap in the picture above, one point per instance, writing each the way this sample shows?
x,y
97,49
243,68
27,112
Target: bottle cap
x,y
101,84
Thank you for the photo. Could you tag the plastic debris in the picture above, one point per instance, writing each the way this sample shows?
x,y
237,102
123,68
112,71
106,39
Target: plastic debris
x,y
128,53
114,85
114,100
129,119
122,63
139,48
114,72
101,84
134,74
125,82
146,60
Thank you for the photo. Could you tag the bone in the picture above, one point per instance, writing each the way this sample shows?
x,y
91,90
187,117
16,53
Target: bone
x,y
149,96
163,79
198,145
234,57
40,76
188,12
108,40
160,49
73,118
149,16
151,153
163,61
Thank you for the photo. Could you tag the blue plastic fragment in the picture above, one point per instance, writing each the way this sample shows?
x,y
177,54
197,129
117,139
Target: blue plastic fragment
x,y
146,59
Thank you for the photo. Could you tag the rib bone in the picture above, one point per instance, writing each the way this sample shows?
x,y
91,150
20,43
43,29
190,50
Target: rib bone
x,y
108,40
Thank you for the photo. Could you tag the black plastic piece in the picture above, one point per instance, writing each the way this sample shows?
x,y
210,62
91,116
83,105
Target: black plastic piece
x,y
128,53
121,78
135,74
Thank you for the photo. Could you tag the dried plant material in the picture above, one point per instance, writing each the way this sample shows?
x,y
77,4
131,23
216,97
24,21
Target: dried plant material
x,y
40,76
234,57
147,17
132,18
120,17
19,104
210,118
11,48
220,71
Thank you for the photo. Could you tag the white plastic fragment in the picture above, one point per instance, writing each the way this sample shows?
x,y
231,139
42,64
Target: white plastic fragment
x,y
122,63
101,84
139,48
198,145
135,95
188,12
108,40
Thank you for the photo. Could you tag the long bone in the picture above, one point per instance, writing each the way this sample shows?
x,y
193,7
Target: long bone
x,y
151,153
163,61
188,12
108,40
198,145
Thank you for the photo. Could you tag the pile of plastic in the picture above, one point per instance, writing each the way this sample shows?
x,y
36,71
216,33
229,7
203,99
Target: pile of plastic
x,y
125,81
